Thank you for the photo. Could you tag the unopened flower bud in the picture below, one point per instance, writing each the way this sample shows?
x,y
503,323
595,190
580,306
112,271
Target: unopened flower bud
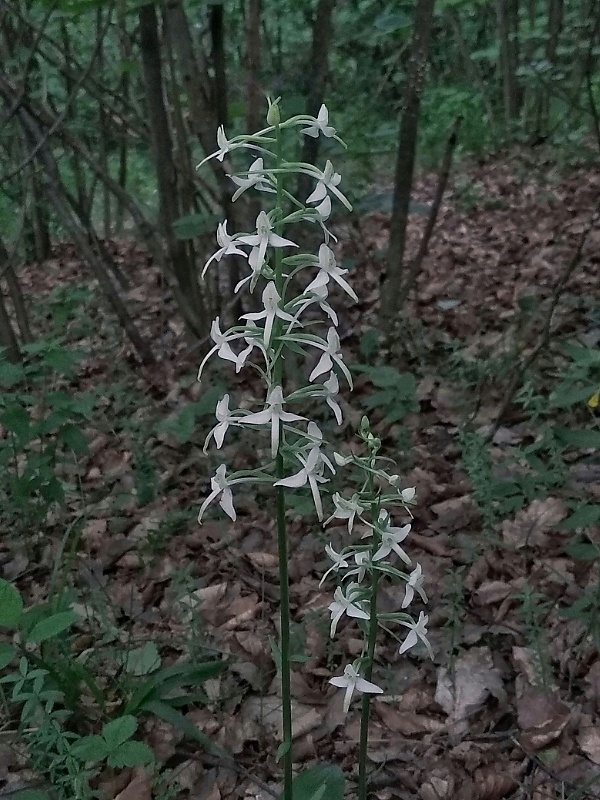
x,y
273,114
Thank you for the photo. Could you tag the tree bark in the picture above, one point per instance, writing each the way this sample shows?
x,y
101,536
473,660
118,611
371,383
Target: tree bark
x,y
219,63
254,100
405,161
322,36
190,297
505,14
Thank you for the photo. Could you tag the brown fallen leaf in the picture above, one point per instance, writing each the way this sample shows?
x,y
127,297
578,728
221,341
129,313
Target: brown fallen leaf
x,y
541,716
589,741
532,524
138,789
407,723
465,692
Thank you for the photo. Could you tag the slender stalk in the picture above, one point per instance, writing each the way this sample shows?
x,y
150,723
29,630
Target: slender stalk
x,y
282,544
366,698
371,641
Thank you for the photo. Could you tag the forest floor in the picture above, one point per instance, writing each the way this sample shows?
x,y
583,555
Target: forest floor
x,y
509,707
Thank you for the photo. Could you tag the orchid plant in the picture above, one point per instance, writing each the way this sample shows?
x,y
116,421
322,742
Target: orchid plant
x,y
297,453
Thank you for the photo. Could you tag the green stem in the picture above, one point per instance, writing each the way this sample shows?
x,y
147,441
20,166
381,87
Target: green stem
x,y
371,642
366,698
282,544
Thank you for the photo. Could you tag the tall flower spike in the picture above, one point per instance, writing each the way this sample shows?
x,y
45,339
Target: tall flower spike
x,y
352,682
273,415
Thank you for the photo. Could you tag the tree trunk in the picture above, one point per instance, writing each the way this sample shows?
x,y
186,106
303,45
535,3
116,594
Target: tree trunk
x,y
16,295
219,63
322,36
8,340
505,14
405,161
190,297
254,99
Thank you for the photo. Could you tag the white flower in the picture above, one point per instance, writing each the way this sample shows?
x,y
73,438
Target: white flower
x,y
273,415
333,387
270,301
346,509
408,495
224,420
255,178
260,240
339,562
418,631
227,145
391,538
327,181
220,486
331,355
328,269
342,461
222,347
317,295
253,339
361,557
311,473
320,125
346,604
228,246
352,682
414,584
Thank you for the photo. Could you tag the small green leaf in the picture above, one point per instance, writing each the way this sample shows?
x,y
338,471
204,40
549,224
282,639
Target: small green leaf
x,y
51,626
7,653
586,439
583,516
131,754
119,730
323,782
90,749
582,551
283,748
11,604
74,438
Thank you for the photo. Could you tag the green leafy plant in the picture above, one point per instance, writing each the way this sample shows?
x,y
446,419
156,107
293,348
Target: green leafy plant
x,y
58,698
43,432
396,393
